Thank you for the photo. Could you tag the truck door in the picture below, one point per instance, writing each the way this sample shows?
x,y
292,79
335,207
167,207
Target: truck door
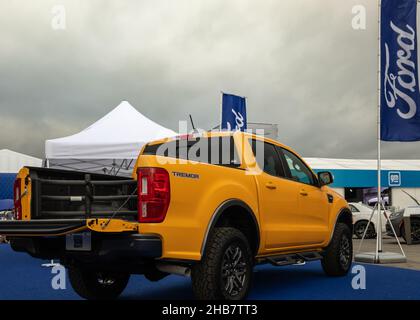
x,y
311,218
278,199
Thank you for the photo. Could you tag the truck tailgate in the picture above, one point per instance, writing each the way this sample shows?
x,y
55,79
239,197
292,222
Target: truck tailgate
x,y
62,194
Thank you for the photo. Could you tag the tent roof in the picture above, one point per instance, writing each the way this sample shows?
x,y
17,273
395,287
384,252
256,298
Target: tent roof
x,y
118,135
12,162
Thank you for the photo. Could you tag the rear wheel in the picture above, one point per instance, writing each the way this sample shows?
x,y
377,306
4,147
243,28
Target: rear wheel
x,y
95,285
226,269
339,254
360,227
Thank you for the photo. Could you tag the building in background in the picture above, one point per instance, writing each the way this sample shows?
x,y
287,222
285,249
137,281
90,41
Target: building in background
x,y
357,180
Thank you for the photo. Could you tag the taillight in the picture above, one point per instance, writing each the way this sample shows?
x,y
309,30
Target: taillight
x,y
17,193
153,194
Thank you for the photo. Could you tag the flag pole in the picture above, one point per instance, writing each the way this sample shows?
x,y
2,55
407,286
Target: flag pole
x,y
379,199
379,256
221,110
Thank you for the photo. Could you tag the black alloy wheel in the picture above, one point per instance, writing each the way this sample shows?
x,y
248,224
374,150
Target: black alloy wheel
x,y
234,271
345,252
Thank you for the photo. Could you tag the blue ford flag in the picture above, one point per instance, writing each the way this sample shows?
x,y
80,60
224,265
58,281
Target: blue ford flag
x,y
233,112
400,101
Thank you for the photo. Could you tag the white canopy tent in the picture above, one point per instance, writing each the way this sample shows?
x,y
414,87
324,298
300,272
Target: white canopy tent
x,y
110,145
12,162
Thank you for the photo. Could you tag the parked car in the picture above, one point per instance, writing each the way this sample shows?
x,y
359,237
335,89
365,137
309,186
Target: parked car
x,y
211,206
397,220
361,214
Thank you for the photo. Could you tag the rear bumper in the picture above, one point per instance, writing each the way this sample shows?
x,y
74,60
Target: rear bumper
x,y
133,246
41,227
105,248
111,240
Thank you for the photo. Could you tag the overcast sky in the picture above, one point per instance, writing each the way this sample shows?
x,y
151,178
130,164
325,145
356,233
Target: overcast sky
x,y
299,63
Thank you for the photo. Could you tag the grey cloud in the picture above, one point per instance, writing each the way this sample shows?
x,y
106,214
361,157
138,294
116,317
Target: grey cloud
x,y
299,62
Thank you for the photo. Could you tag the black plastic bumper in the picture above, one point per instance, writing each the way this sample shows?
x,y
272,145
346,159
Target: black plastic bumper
x,y
109,248
134,246
40,227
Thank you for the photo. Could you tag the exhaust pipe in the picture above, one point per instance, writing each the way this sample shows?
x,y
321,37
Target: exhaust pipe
x,y
174,269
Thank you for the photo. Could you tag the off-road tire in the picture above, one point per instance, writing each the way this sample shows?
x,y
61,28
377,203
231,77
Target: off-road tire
x,y
209,282
87,283
339,254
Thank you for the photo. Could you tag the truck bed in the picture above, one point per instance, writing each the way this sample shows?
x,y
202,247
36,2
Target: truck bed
x,y
62,194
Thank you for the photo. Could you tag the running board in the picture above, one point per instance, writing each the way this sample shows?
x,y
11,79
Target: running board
x,y
293,258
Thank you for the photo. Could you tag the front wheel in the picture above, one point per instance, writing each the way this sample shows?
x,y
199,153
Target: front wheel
x,y
225,271
95,285
339,254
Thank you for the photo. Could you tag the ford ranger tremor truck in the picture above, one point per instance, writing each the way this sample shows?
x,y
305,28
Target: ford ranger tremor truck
x,y
209,205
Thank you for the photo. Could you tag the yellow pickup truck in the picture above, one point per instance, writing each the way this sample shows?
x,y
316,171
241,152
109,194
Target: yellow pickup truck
x,y
210,206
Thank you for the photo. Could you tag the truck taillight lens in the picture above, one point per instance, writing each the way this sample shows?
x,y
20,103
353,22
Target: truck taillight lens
x,y
153,194
17,193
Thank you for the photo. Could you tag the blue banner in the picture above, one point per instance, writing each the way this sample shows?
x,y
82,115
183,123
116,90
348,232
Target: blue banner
x,y
400,114
233,113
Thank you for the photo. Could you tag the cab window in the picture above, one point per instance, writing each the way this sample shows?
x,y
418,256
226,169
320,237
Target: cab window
x,y
298,170
269,161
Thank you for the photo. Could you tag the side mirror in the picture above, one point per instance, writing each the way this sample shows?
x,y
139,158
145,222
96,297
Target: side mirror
x,y
325,178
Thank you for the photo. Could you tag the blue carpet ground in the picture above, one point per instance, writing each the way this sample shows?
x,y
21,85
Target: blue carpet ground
x,y
22,277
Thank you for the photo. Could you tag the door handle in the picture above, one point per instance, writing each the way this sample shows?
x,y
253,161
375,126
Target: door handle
x,y
303,193
271,186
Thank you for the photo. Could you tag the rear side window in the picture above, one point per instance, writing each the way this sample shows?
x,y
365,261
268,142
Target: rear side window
x,y
215,150
269,161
